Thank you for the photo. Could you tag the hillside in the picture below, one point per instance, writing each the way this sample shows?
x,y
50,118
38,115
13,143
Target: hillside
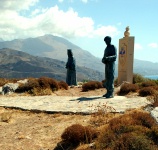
x,y
56,48
18,64
145,67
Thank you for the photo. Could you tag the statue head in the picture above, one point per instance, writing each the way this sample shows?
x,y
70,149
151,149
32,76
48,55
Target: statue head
x,y
69,53
107,40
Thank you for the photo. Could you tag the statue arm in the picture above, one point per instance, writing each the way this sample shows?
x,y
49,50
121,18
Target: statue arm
x,y
112,57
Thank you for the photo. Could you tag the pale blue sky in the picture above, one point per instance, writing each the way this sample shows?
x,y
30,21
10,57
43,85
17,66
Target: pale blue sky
x,y
84,22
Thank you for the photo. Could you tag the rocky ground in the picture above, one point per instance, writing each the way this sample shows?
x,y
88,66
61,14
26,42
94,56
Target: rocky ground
x,y
25,130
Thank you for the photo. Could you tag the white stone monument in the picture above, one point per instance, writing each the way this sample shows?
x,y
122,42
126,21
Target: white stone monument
x,y
126,58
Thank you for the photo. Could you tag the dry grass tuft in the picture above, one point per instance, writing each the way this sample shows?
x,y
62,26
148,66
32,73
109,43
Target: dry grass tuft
x,y
147,91
30,85
76,134
5,117
3,81
46,82
143,119
63,85
137,78
101,115
135,130
41,86
40,91
127,88
91,85
148,83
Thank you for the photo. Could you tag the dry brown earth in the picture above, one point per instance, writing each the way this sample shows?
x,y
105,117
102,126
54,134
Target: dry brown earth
x,y
24,130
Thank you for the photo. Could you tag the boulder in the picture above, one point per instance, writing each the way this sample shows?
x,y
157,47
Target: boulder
x,y
9,88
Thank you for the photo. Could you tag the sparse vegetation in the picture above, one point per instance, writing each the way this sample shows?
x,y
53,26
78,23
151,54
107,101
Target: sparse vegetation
x,y
134,130
76,134
137,78
101,114
49,83
63,85
147,91
155,100
3,81
41,86
128,132
148,83
127,88
91,85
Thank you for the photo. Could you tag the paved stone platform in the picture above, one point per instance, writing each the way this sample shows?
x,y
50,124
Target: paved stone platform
x,y
72,104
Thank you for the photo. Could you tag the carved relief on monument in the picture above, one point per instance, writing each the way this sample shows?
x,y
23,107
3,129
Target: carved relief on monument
x,y
122,54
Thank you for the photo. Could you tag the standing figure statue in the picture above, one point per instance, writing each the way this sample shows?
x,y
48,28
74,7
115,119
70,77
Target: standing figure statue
x,y
71,69
109,58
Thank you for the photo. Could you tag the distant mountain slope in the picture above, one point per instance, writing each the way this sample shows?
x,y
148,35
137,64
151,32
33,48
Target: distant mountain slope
x,y
56,48
145,67
17,64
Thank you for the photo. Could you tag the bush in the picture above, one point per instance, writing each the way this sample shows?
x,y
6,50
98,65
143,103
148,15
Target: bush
x,y
30,85
3,81
153,134
148,83
131,131
143,119
155,98
91,85
130,141
40,91
63,85
137,78
77,134
147,91
128,87
46,82
41,86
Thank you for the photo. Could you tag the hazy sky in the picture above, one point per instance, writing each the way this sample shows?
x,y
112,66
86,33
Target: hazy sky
x,y
84,22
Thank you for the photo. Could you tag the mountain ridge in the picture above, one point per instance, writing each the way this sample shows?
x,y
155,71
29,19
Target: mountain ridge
x,y
56,48
18,64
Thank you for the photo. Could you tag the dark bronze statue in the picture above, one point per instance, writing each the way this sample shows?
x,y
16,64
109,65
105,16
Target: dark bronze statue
x,y
109,58
71,69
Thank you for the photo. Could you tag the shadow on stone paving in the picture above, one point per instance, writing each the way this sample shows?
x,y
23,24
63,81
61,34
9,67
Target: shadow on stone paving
x,y
86,98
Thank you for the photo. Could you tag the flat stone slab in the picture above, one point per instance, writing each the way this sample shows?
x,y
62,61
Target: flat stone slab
x,y
72,104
